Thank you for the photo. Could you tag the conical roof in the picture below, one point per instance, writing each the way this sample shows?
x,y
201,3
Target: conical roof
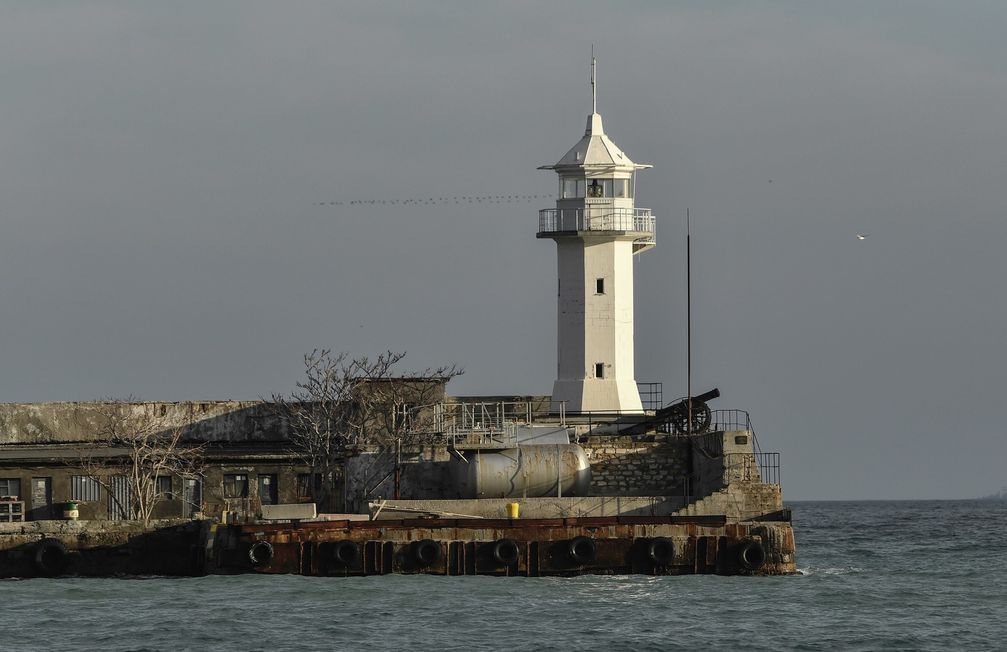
x,y
595,149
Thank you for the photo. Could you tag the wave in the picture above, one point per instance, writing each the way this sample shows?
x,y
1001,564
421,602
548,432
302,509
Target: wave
x,y
837,570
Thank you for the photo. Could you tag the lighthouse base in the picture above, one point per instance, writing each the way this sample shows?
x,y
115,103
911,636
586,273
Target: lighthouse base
x,y
596,395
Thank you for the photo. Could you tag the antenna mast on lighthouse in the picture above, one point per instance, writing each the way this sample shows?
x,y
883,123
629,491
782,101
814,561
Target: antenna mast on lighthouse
x,y
594,82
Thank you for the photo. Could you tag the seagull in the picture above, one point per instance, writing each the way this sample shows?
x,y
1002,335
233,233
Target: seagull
x,y
862,236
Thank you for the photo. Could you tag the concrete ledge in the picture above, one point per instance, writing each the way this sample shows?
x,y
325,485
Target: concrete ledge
x,y
531,507
289,512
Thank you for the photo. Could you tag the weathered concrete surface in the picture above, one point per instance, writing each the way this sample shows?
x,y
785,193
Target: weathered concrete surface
x,y
738,502
105,548
533,508
206,421
289,512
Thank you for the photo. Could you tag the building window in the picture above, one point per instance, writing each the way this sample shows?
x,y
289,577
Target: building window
x,y
10,487
599,286
268,490
163,487
599,370
235,485
572,188
596,189
308,485
84,488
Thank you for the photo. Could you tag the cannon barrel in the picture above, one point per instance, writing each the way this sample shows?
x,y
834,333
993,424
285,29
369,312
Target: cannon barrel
x,y
706,396
680,405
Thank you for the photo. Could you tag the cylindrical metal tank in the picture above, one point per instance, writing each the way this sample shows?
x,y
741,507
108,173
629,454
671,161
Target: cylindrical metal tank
x,y
526,471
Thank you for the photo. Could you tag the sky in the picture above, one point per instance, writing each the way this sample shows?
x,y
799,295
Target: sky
x,y
162,167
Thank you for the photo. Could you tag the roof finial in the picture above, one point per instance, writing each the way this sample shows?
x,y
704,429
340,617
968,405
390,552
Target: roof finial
x,y
594,88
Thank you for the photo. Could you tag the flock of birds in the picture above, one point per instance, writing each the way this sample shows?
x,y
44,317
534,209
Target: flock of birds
x,y
430,201
461,199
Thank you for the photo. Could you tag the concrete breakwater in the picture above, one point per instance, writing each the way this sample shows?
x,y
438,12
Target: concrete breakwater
x,y
102,548
657,544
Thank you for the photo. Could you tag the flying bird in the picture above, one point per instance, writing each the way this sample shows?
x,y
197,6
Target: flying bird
x,y
862,236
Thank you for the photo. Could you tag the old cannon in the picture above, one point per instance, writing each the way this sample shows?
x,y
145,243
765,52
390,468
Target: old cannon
x,y
675,417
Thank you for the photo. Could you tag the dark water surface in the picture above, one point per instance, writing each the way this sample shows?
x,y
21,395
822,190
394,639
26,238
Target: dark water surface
x,y
876,576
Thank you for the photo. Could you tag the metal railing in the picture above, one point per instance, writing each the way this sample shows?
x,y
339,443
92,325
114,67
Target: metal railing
x,y
730,420
651,395
752,467
471,423
555,220
768,463
769,467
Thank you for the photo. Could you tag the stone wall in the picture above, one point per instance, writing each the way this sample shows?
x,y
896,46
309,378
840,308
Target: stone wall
x,y
624,467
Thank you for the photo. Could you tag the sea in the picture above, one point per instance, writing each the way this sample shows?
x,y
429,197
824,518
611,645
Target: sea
x,y
877,575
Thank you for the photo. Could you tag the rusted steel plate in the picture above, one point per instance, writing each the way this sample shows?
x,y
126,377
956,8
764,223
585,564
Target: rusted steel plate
x,y
700,520
504,547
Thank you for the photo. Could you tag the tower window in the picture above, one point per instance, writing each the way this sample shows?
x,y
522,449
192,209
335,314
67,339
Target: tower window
x,y
599,369
603,188
599,286
571,188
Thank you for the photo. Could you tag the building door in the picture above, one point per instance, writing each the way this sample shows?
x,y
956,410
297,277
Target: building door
x,y
120,503
192,496
41,499
268,494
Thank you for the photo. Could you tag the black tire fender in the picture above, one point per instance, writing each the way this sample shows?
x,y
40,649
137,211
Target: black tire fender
x,y
581,550
50,557
751,555
345,552
661,551
260,553
506,552
426,552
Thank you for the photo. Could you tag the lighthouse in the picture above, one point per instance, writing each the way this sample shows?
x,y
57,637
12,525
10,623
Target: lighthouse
x,y
598,230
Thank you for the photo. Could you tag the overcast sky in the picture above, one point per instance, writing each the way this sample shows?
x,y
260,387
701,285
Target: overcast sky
x,y
161,165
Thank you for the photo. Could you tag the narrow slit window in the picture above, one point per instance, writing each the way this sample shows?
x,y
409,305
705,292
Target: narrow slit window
x,y
599,286
599,370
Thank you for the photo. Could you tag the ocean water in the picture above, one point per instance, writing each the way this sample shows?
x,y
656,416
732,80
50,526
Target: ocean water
x,y
913,575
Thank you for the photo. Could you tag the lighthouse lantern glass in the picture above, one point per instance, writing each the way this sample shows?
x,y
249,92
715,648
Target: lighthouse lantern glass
x,y
571,187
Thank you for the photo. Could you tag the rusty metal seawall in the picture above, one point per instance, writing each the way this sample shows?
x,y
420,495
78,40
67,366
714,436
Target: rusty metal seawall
x,y
653,545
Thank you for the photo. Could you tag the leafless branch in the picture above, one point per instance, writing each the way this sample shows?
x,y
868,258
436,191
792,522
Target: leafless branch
x,y
136,446
346,405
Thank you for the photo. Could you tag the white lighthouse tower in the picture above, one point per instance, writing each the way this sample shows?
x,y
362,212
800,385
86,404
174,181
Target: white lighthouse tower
x,y
597,230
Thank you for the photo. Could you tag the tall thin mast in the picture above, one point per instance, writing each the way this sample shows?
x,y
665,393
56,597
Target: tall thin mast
x,y
594,87
688,316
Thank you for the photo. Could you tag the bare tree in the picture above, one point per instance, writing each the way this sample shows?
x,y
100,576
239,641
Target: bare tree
x,y
345,406
135,446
